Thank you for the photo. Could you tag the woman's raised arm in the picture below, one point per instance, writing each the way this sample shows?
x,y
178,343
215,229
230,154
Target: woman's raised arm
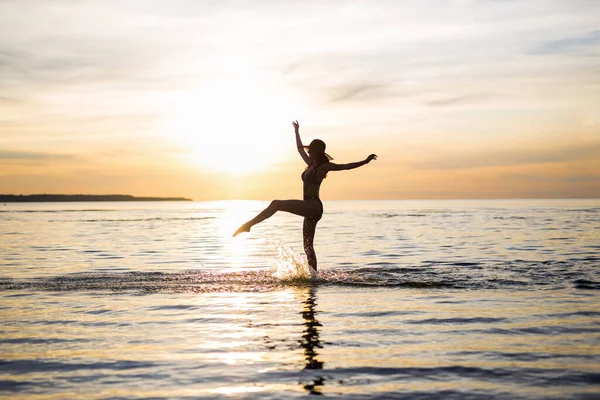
x,y
299,142
341,167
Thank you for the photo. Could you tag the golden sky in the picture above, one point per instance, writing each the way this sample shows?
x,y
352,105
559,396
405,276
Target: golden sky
x,y
460,99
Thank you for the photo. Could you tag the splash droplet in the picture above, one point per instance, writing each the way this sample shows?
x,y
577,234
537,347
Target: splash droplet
x,y
291,266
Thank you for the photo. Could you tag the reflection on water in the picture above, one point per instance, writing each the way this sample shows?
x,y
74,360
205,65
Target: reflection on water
x,y
310,341
386,343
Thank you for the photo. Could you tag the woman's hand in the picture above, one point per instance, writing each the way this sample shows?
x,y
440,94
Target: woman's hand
x,y
371,158
296,126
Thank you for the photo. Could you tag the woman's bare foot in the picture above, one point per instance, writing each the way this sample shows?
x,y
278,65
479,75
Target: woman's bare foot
x,y
244,228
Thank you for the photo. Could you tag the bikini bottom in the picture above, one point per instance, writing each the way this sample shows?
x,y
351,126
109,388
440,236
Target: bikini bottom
x,y
318,213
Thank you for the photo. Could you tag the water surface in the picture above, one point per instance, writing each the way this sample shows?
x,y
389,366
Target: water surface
x,y
414,299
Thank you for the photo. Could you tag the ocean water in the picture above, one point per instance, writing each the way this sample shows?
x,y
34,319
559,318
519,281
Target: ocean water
x,y
486,299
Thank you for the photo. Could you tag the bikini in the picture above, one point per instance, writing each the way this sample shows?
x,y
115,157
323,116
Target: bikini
x,y
309,177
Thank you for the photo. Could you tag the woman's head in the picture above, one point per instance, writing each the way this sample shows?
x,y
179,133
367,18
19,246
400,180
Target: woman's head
x,y
316,152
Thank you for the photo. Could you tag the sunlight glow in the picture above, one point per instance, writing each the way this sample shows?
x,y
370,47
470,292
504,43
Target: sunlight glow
x,y
235,123
238,249
230,390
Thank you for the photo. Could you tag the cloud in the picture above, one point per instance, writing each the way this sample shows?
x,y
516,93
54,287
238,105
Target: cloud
x,y
32,156
10,100
569,44
508,157
360,92
72,68
461,99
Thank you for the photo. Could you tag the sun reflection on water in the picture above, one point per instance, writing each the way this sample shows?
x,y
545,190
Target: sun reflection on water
x,y
292,334
238,249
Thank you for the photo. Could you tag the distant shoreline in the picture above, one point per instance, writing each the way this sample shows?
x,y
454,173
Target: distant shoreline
x,y
45,198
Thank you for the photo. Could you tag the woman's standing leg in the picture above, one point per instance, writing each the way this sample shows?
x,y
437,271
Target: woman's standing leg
x,y
308,232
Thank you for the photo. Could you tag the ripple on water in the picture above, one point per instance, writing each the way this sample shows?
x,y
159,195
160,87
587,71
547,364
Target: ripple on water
x,y
28,366
435,274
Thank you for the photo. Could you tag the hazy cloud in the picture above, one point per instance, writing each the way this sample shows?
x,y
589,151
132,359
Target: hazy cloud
x,y
454,100
591,39
508,157
28,156
10,100
360,92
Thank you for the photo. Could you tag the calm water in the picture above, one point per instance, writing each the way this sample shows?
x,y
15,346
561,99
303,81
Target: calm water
x,y
414,299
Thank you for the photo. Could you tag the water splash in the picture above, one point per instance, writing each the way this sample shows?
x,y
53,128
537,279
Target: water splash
x,y
292,271
292,267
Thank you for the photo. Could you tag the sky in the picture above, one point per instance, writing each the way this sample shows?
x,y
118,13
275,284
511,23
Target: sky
x,y
459,99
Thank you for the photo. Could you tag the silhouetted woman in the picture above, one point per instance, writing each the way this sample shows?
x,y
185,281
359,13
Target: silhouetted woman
x,y
318,165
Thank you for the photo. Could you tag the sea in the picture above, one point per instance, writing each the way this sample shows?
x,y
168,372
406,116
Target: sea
x,y
432,299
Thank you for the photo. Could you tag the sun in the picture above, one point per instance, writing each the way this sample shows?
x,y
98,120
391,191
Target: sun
x,y
232,124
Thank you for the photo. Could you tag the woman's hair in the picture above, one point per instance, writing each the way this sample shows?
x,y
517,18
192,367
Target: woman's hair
x,y
317,149
320,159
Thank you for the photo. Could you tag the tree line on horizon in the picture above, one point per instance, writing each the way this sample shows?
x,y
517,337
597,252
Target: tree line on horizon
x,y
30,198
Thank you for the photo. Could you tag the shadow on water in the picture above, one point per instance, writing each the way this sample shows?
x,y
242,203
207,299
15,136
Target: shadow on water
x,y
310,342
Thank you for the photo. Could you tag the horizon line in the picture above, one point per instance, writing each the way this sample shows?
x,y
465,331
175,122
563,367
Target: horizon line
x,y
255,199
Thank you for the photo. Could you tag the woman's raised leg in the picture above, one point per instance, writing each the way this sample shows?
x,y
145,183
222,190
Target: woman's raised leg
x,y
299,207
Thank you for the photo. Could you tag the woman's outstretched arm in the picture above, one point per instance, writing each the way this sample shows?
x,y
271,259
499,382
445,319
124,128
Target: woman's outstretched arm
x,y
340,167
299,142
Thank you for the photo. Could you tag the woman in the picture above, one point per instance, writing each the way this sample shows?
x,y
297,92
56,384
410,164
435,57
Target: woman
x,y
318,165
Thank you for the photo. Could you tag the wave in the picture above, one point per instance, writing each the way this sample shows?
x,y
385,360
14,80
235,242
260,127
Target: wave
x,y
291,269
59,211
138,219
202,281
197,281
420,213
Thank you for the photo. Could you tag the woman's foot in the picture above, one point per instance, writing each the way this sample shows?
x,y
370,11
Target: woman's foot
x,y
244,228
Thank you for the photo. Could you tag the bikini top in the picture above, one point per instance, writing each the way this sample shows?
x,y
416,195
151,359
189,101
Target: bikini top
x,y
310,177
